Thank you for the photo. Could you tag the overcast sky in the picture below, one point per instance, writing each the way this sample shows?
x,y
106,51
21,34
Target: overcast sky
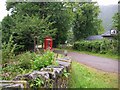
x,y
3,11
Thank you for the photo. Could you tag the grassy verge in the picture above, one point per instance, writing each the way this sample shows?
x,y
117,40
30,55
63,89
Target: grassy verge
x,y
108,55
86,77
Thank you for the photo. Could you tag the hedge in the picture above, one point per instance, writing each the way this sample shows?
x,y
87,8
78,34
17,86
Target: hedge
x,y
98,46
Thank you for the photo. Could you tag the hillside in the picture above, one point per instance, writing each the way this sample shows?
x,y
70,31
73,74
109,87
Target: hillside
x,y
106,15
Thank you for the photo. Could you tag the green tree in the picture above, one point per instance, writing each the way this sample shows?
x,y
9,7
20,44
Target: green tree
x,y
116,20
0,37
59,21
70,37
28,23
62,16
6,23
116,25
30,27
86,20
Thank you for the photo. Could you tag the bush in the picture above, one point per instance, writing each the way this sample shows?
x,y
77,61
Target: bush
x,y
102,46
8,50
43,61
25,60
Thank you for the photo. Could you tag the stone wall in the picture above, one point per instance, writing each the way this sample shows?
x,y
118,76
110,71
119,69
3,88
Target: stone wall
x,y
50,77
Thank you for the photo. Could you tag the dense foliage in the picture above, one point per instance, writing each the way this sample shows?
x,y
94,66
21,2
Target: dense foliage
x,y
13,65
27,62
43,61
42,19
101,46
26,28
8,51
116,20
49,19
116,25
86,20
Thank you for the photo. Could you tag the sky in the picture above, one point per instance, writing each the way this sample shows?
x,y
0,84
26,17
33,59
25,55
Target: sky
x,y
4,12
106,2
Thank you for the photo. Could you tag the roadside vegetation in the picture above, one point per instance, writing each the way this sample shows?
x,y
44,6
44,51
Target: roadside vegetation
x,y
13,65
63,21
107,55
85,77
105,48
26,63
101,46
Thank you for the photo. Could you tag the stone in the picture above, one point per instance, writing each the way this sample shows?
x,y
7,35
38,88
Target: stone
x,y
13,84
36,74
66,64
57,70
64,60
52,66
52,75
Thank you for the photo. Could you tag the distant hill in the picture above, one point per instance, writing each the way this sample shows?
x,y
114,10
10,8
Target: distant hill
x,y
106,15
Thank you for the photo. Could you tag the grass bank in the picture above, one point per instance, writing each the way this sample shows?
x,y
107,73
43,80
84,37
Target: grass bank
x,y
86,77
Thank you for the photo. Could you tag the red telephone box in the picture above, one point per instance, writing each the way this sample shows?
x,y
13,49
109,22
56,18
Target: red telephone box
x,y
48,43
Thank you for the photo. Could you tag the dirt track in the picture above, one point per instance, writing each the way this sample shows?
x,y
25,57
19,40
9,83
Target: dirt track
x,y
100,63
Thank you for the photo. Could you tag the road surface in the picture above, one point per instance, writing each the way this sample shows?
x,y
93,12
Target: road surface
x,y
100,63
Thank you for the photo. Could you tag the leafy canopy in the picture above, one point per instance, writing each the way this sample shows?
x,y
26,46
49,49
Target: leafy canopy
x,y
86,20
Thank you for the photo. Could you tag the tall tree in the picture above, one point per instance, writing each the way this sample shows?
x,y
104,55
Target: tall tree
x,y
62,16
27,24
59,18
116,24
6,23
86,20
116,20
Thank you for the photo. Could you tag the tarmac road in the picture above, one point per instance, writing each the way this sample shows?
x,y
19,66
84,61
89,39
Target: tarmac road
x,y
100,63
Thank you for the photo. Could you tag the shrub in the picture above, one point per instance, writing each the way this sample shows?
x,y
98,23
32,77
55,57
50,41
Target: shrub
x,y
8,50
43,61
25,63
101,46
25,60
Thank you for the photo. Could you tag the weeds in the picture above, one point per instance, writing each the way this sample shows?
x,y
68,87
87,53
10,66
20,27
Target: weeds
x,y
36,83
43,61
8,51
65,73
27,62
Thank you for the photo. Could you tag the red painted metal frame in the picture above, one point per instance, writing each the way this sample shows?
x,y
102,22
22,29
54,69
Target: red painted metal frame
x,y
48,42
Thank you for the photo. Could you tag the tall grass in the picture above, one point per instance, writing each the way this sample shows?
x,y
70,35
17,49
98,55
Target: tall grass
x,y
85,77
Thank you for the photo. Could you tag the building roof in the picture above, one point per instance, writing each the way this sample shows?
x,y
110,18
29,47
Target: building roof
x,y
107,33
98,37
